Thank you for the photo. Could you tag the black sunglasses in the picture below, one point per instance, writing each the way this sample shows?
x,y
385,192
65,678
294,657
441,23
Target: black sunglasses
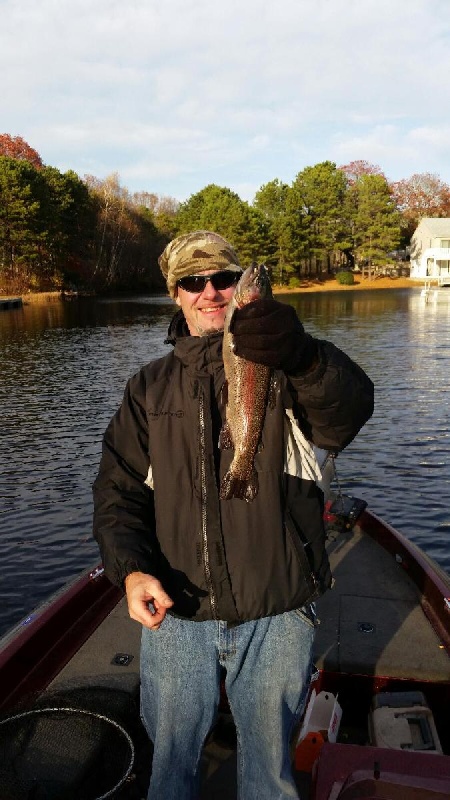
x,y
220,280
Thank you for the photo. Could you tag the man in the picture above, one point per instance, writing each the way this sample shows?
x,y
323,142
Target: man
x,y
222,584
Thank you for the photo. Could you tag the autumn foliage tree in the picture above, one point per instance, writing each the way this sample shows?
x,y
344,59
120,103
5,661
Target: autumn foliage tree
x,y
17,148
127,241
356,169
421,195
163,210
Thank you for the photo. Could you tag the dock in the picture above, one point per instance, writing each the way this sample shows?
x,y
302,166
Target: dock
x,y
438,291
10,302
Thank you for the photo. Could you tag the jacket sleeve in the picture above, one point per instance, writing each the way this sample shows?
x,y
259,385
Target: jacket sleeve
x,y
334,399
124,518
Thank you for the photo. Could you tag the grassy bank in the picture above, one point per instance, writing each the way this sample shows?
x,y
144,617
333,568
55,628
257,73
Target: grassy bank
x,y
34,297
331,285
40,297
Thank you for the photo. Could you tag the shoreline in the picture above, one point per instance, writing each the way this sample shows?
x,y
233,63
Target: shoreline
x,y
328,285
331,285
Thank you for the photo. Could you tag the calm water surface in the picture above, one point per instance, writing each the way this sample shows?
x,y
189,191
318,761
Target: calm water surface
x,y
63,368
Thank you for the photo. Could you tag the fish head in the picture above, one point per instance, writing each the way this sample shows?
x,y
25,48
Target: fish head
x,y
254,284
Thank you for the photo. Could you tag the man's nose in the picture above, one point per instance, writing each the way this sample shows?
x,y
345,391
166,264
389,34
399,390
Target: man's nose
x,y
209,290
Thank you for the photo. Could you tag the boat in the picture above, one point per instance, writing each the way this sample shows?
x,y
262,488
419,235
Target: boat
x,y
69,677
10,302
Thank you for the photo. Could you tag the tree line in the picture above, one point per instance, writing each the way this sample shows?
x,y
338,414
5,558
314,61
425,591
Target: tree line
x,y
58,231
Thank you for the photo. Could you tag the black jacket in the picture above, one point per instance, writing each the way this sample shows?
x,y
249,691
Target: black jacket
x,y
157,507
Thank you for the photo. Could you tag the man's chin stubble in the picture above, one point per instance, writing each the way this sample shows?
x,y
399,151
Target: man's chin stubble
x,y
209,331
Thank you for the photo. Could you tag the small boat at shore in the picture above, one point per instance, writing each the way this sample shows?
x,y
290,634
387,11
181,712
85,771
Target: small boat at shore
x,y
376,723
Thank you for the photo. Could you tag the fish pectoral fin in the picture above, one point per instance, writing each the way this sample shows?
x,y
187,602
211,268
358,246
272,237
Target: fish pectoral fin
x,y
225,438
236,487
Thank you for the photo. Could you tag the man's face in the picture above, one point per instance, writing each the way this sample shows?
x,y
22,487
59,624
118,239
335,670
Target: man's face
x,y
205,311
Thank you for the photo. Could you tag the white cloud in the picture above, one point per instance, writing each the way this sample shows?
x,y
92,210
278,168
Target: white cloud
x,y
399,151
187,92
438,138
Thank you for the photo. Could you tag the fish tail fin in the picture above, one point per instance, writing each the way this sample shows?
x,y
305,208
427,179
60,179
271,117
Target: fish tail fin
x,y
236,487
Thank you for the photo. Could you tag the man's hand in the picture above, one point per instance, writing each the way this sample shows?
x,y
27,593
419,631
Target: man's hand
x,y
143,590
268,332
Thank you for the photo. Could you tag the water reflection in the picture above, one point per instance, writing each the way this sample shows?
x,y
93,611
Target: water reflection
x,y
63,369
400,462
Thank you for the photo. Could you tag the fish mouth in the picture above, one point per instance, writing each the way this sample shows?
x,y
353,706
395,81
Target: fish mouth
x,y
262,278
261,272
254,285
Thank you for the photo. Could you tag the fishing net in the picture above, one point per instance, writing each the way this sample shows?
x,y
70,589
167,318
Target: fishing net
x,y
72,745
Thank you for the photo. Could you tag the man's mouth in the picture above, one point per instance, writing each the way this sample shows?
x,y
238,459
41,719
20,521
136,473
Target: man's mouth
x,y
211,309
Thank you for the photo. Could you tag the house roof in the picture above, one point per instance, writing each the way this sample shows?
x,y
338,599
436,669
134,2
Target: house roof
x,y
437,226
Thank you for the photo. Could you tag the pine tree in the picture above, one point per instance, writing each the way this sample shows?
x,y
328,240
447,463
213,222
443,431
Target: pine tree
x,y
376,220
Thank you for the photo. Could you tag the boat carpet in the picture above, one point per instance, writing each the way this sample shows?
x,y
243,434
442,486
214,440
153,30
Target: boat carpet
x,y
367,623
372,614
110,657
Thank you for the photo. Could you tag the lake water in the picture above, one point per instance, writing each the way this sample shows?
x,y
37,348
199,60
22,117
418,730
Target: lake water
x,y
63,368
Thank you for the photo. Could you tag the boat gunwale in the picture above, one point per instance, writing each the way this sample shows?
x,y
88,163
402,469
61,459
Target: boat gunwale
x,y
36,649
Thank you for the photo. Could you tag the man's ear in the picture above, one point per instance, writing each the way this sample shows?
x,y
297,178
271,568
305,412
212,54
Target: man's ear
x,y
177,300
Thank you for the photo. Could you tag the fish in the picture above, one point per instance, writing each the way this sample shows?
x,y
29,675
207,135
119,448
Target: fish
x,y
246,388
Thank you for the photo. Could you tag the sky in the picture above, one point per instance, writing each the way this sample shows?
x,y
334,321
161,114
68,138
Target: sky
x,y
178,94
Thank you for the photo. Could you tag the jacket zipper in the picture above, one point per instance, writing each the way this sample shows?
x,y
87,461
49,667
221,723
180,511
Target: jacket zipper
x,y
204,535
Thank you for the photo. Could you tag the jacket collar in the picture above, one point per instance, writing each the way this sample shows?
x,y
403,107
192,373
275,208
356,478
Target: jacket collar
x,y
197,353
177,328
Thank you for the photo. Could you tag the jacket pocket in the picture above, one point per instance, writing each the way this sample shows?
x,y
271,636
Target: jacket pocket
x,y
307,574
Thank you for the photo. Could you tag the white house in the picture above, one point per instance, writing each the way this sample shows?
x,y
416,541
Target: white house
x,y
430,250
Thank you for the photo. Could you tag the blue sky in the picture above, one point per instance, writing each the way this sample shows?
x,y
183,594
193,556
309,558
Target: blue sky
x,y
176,94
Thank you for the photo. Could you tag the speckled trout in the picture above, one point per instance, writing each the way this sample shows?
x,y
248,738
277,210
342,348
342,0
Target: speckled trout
x,y
246,390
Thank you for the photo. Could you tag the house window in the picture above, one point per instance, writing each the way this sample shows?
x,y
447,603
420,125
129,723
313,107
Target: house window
x,y
445,243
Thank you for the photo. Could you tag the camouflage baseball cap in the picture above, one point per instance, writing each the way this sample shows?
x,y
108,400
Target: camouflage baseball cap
x,y
196,252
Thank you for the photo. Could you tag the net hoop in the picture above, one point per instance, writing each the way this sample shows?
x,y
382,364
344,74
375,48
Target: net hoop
x,y
64,709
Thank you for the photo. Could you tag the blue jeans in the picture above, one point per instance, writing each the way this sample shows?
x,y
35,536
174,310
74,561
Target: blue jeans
x,y
268,667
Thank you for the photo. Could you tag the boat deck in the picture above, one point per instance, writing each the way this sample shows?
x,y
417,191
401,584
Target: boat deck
x,y
367,623
372,614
